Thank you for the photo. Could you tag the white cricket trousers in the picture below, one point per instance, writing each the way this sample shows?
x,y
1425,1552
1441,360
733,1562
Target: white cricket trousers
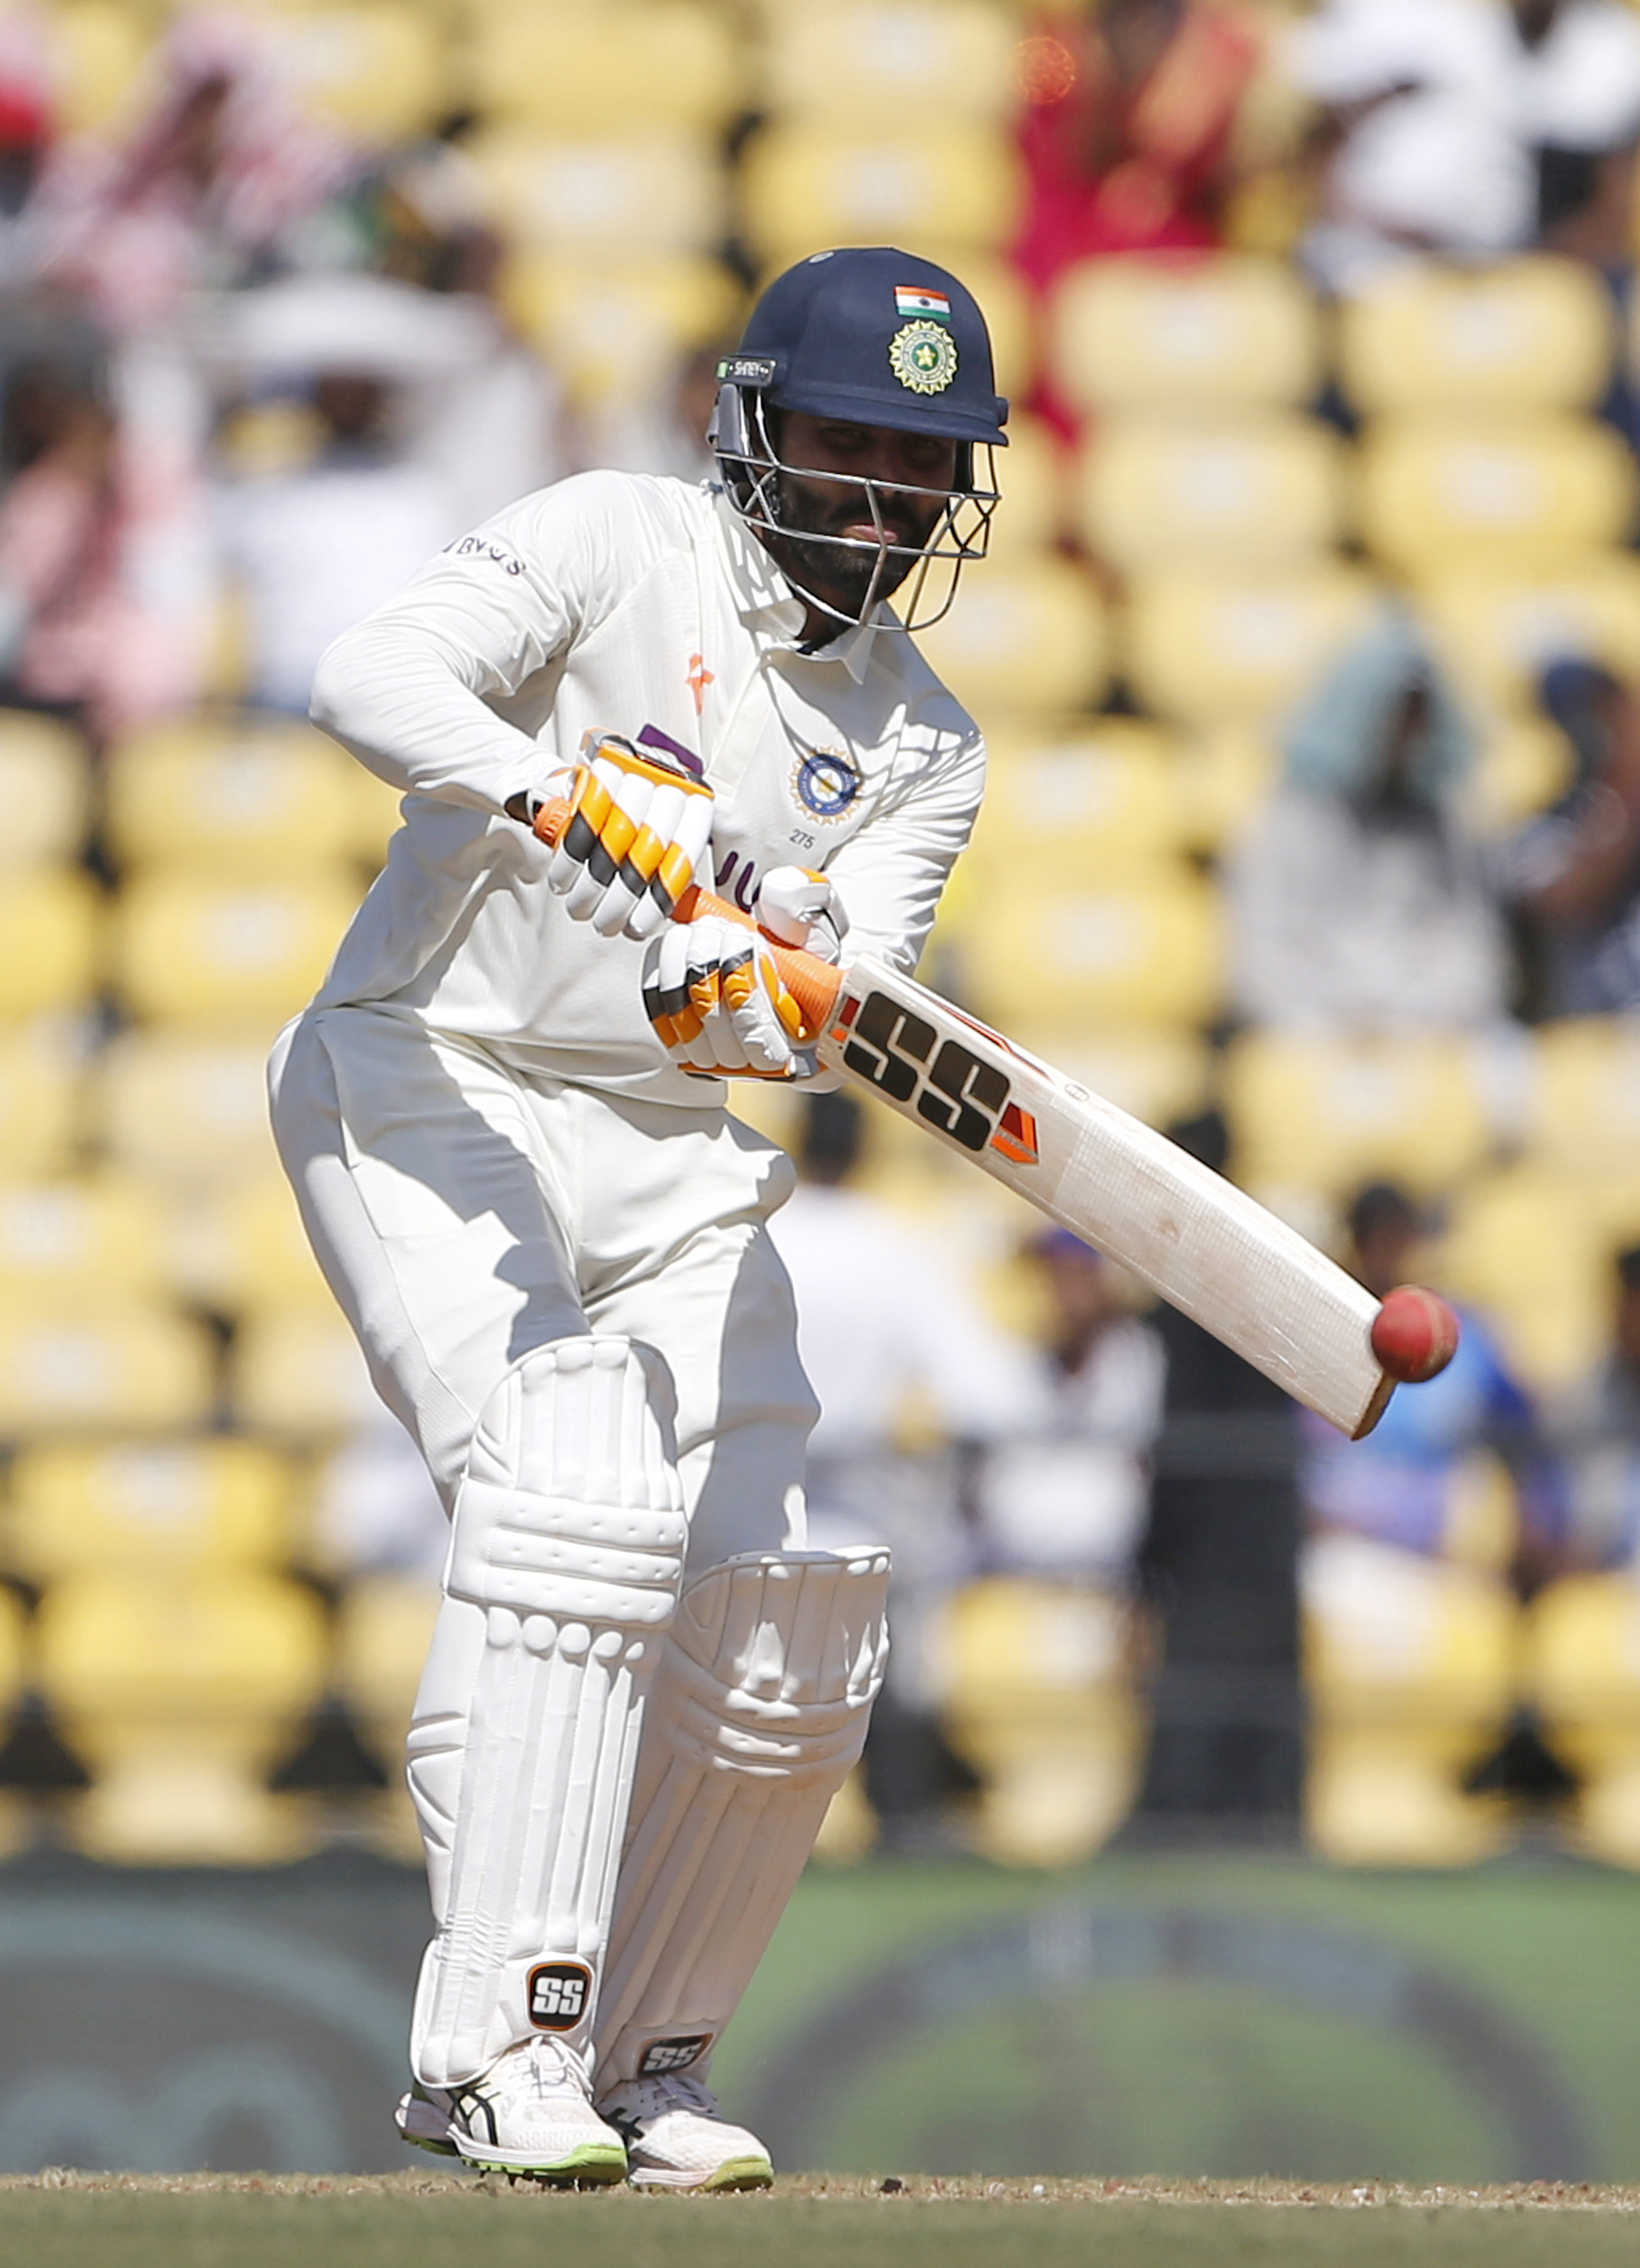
x,y
465,1214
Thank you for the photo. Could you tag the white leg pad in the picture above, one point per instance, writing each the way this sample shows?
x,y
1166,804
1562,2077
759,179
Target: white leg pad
x,y
759,1713
565,1557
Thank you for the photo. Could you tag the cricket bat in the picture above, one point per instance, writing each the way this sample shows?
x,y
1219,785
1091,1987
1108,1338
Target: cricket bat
x,y
1197,1240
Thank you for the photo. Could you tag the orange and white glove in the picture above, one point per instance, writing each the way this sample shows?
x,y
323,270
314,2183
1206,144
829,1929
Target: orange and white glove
x,y
636,838
798,907
712,989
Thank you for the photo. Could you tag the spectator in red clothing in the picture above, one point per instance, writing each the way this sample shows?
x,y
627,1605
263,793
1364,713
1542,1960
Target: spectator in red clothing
x,y
1129,115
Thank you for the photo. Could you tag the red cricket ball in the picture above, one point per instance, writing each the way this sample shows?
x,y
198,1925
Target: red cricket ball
x,y
1414,1334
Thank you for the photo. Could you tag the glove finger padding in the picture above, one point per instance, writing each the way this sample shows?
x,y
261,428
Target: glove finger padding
x,y
799,906
638,832
713,991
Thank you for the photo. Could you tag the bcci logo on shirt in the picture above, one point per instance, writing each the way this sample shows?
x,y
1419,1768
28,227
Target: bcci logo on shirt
x,y
826,781
560,1994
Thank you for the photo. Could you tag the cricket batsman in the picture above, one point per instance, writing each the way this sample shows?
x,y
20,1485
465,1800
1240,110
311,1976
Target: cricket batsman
x,y
505,1120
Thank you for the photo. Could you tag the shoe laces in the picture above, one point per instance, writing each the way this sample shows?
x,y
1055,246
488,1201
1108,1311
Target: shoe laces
x,y
538,2067
664,2091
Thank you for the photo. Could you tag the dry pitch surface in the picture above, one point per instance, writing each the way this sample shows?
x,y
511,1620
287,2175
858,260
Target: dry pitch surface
x,y
414,2220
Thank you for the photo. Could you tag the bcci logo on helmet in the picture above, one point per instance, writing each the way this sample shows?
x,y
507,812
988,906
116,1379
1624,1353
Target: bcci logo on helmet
x,y
922,355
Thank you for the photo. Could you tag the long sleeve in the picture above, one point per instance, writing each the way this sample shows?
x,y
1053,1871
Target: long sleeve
x,y
890,874
407,690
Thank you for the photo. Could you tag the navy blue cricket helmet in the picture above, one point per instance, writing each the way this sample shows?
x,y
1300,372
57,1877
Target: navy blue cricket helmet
x,y
874,336
879,336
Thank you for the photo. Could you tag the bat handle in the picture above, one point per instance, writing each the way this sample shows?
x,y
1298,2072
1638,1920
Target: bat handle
x,y
813,984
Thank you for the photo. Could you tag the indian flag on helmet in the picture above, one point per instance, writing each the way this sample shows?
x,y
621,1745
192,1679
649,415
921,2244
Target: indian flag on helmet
x,y
923,299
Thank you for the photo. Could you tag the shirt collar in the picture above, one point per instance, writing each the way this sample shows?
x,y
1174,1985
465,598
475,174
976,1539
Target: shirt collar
x,y
767,601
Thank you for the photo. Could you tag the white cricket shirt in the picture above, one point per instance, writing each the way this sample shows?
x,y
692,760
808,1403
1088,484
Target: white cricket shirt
x,y
621,603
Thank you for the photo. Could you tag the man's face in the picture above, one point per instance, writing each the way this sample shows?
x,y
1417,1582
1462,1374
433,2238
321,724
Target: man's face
x,y
898,463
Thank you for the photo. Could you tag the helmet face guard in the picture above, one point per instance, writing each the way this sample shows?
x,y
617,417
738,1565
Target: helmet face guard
x,y
754,473
874,337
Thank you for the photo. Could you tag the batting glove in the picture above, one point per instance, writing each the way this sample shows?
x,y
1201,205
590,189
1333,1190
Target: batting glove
x,y
798,907
636,837
712,989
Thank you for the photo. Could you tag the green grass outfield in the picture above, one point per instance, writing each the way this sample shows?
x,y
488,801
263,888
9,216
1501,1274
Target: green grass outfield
x,y
414,2220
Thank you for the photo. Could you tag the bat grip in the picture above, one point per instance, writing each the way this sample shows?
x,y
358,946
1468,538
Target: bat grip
x,y
813,984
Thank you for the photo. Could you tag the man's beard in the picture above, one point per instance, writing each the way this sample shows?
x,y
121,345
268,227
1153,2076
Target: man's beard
x,y
842,575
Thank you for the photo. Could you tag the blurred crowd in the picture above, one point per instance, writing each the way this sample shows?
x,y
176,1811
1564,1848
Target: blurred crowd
x,y
270,338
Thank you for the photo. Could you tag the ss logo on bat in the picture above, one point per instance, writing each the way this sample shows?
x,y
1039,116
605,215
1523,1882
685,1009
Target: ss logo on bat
x,y
895,1049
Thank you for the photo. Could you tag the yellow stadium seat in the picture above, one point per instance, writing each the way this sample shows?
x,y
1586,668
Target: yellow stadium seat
x,y
42,1092
608,326
1583,1126
1205,649
98,48
806,186
234,954
1226,773
1100,797
298,1373
618,68
233,797
1025,636
1157,1072
1310,1112
1584,1107
1522,1244
376,68
610,195
1214,334
383,1632
1507,337
1155,491
238,1244
179,1691
103,1366
1496,628
1437,492
14,1663
1581,1669
183,1106
51,941
45,789
373,817
887,60
96,1235
1148,949
1410,1670
17,1827
1030,473
1037,1696
1525,764
81,1507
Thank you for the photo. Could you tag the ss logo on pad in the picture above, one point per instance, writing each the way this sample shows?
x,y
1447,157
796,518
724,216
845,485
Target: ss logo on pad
x,y
560,1994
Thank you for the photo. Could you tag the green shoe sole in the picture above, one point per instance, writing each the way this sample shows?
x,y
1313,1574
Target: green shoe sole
x,y
595,2167
742,2174
733,2174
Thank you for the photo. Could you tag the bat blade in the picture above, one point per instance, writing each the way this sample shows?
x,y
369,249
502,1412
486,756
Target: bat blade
x,y
1202,1244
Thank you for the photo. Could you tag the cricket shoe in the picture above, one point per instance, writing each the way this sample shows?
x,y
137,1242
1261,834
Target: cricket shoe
x,y
530,2113
678,2139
